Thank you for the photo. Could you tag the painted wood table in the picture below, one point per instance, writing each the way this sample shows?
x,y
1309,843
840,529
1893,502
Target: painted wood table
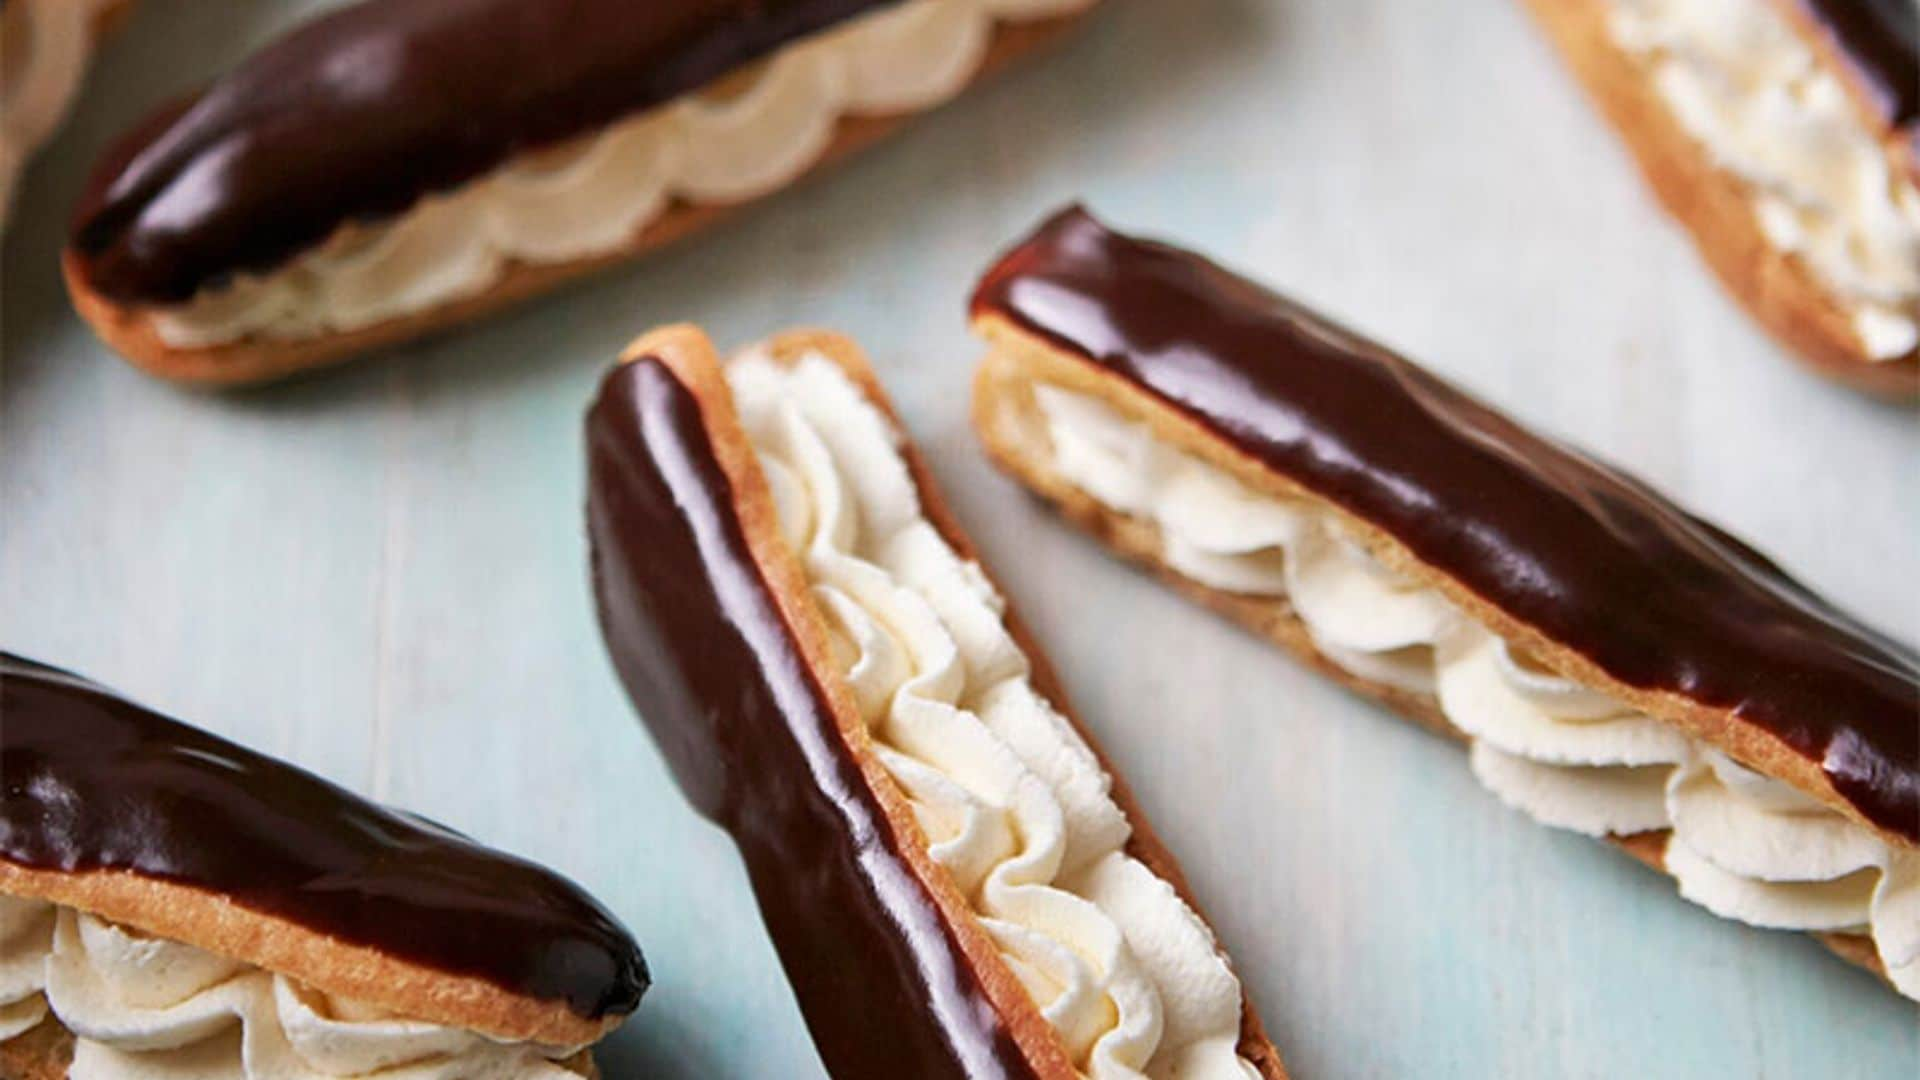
x,y
380,573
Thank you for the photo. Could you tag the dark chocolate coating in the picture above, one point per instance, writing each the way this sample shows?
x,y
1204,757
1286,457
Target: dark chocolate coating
x,y
701,645
1591,557
1881,40
358,114
91,781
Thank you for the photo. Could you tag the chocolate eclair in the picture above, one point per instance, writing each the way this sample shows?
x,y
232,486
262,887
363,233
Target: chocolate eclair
x,y
1619,667
958,883
1785,136
45,49
174,905
398,166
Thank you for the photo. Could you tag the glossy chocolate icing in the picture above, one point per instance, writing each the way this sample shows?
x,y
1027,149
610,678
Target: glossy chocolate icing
x,y
702,648
1593,558
92,781
1881,40
359,113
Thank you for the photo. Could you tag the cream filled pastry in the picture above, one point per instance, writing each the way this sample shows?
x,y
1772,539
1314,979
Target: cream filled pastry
x,y
763,532
1754,849
1786,135
45,47
1618,668
172,905
202,268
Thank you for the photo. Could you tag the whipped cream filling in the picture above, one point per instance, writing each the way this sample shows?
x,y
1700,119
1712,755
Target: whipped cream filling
x,y
145,1008
1741,81
44,49
1014,803
738,139
1743,845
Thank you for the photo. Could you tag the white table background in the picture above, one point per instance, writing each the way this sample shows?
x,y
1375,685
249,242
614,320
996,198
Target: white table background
x,y
380,573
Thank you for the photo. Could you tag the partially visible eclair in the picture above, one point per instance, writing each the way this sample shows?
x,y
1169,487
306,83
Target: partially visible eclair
x,y
46,47
1618,666
957,881
397,167
172,904
1785,136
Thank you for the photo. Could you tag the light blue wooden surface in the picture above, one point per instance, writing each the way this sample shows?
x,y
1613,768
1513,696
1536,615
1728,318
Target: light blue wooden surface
x,y
380,573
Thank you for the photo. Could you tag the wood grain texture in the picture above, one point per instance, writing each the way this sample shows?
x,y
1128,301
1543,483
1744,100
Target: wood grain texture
x,y
380,573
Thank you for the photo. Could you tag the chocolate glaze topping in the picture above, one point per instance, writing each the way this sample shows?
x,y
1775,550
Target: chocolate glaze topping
x,y
1881,40
91,781
1591,557
702,648
357,114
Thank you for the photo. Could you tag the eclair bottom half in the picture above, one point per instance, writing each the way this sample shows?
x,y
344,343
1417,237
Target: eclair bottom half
x,y
95,997
47,1052
957,882
1800,209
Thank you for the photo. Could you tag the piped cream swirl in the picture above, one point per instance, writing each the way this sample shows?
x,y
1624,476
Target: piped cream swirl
x,y
752,133
145,1008
1015,804
1745,846
1740,80
26,938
